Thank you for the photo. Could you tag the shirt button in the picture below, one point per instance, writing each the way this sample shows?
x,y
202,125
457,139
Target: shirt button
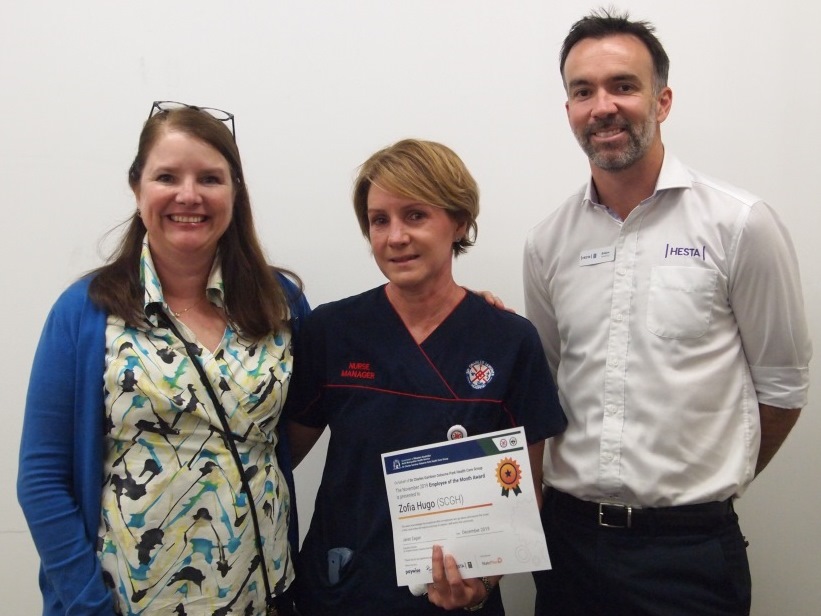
x,y
621,272
606,457
615,363
619,317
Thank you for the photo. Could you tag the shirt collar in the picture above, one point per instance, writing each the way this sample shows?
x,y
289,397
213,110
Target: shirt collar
x,y
673,174
215,289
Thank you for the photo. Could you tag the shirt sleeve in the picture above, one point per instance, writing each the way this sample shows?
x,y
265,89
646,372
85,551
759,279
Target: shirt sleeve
x,y
532,396
766,298
304,402
538,307
46,481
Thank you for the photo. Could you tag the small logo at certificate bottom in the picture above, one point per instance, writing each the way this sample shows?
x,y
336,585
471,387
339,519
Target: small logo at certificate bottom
x,y
509,475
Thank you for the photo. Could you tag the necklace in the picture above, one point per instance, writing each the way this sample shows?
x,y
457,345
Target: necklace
x,y
182,312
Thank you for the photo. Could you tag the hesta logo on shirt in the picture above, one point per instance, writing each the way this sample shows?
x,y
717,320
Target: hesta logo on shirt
x,y
700,252
479,374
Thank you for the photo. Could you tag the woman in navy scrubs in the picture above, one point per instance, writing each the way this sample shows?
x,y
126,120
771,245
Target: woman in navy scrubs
x,y
397,367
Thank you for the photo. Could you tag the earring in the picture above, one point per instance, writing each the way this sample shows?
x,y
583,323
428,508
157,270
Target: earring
x,y
139,213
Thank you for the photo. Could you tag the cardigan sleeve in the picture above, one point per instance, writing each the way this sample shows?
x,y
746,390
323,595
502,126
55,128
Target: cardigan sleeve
x,y
298,305
56,487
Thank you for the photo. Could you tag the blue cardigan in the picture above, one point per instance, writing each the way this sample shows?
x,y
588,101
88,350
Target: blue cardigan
x,y
60,476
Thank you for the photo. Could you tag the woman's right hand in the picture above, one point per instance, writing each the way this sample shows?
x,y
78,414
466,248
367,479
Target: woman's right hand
x,y
448,589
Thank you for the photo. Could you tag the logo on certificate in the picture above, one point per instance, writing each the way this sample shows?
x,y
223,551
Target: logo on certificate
x,y
479,374
509,475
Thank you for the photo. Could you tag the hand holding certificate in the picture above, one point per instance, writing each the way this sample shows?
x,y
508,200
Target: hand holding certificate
x,y
472,496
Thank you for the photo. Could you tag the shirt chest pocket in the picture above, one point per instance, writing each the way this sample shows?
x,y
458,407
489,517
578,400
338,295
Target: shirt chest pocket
x,y
680,301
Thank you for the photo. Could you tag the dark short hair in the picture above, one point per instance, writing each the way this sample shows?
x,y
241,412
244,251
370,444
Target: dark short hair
x,y
606,22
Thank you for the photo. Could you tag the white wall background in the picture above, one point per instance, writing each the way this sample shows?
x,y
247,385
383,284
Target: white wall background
x,y
318,86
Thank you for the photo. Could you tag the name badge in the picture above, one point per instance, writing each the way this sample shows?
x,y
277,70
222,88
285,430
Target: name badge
x,y
594,256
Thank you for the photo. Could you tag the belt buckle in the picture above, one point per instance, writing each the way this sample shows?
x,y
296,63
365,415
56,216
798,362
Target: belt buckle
x,y
627,509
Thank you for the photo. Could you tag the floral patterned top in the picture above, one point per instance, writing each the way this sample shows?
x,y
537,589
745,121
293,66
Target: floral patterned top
x,y
176,534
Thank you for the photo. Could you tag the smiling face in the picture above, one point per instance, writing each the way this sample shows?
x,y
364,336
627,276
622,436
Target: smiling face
x,y
412,242
612,106
185,197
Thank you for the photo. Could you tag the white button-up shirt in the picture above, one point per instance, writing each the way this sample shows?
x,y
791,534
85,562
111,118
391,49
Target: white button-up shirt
x,y
664,332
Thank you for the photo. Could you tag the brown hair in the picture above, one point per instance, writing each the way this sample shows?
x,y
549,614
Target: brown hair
x,y
423,170
255,302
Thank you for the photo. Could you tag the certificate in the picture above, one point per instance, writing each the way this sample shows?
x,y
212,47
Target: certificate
x,y
473,496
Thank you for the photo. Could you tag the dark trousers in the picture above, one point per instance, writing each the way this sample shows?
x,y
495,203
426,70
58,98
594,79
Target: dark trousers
x,y
600,571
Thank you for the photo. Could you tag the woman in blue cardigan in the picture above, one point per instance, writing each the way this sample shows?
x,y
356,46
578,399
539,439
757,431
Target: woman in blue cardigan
x,y
147,468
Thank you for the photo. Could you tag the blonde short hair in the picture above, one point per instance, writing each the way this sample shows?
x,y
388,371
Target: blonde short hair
x,y
427,171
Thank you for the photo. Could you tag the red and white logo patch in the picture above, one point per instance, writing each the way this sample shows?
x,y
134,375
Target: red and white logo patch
x,y
479,374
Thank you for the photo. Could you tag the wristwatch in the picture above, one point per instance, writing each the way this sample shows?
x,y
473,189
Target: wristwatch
x,y
488,589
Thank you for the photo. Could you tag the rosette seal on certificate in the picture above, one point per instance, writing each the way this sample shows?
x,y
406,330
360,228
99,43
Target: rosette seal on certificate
x,y
448,494
509,475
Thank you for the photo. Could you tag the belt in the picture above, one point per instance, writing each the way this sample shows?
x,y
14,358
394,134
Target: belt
x,y
703,516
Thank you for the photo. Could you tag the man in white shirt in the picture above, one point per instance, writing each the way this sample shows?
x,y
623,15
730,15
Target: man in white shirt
x,y
670,309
